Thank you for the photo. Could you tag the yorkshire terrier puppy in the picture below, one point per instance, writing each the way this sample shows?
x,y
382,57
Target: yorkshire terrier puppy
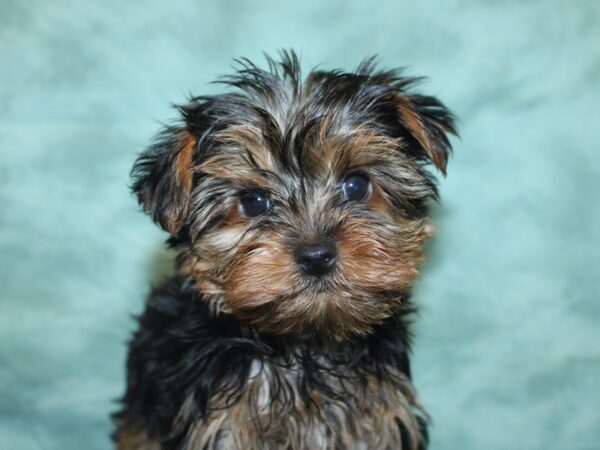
x,y
298,208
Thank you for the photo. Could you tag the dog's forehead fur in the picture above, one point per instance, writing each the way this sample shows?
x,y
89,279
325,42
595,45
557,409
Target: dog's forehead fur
x,y
296,139
277,118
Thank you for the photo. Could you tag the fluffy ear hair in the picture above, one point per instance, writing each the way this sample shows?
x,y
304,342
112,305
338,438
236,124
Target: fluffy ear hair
x,y
427,122
162,177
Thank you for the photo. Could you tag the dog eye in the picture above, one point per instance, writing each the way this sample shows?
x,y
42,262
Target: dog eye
x,y
255,203
356,187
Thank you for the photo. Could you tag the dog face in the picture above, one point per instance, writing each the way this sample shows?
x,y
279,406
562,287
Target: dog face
x,y
300,206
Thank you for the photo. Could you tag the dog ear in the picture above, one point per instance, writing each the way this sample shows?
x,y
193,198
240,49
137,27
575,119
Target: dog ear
x,y
162,174
427,123
162,177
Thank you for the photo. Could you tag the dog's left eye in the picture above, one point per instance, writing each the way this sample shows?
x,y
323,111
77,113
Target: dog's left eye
x,y
255,203
356,187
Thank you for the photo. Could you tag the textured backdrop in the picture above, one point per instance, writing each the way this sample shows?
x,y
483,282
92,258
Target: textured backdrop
x,y
508,347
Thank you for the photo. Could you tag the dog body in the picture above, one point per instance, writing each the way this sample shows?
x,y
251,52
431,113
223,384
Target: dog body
x,y
298,209
263,392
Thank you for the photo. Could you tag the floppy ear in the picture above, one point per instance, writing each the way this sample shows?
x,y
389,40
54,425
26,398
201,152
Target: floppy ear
x,y
162,177
427,122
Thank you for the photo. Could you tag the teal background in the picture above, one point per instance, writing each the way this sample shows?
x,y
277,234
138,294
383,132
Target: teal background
x,y
507,354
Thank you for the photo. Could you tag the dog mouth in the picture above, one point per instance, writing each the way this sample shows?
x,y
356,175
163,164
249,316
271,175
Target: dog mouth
x,y
320,286
311,285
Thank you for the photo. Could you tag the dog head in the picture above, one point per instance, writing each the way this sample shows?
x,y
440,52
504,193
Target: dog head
x,y
300,205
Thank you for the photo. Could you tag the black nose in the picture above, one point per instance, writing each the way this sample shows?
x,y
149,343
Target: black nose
x,y
316,259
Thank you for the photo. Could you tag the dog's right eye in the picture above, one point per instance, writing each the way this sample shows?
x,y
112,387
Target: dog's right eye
x,y
356,187
255,203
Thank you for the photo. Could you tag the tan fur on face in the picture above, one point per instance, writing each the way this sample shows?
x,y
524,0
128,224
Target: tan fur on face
x,y
207,261
249,138
372,261
265,287
356,148
244,159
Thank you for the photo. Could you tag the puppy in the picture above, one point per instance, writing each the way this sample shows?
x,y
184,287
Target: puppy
x,y
298,208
